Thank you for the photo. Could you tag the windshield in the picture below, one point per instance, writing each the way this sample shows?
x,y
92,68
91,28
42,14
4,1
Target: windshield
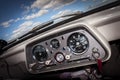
x,y
17,17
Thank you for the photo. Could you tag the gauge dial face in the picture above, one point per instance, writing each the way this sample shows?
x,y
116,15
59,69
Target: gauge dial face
x,y
55,43
77,42
40,53
59,57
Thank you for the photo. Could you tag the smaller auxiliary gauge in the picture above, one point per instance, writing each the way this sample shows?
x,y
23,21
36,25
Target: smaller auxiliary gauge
x,y
54,43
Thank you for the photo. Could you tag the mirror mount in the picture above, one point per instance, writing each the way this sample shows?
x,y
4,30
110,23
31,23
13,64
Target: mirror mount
x,y
3,43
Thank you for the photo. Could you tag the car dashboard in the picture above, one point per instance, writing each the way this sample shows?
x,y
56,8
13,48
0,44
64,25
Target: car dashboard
x,y
65,46
69,47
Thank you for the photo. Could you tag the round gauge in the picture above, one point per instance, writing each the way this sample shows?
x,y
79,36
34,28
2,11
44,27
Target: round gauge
x,y
77,42
55,43
40,53
59,57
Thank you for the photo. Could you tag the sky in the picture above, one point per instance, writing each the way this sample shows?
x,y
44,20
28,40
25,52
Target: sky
x,y
19,16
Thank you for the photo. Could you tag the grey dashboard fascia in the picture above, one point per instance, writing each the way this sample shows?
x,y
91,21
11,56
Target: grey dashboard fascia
x,y
78,23
106,22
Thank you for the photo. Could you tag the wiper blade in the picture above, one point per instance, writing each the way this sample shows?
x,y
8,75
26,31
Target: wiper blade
x,y
28,35
41,26
37,28
70,15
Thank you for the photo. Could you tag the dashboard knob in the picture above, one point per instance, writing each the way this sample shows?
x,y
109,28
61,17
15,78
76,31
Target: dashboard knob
x,y
95,53
67,57
47,62
95,50
59,57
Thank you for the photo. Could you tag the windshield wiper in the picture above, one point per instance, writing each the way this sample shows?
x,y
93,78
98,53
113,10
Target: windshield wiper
x,y
27,35
37,28
44,26
69,15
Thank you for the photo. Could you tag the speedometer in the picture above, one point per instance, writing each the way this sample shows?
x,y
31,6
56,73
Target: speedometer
x,y
77,42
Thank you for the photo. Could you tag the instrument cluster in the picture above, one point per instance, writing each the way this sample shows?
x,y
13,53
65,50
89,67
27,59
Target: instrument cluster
x,y
77,43
70,49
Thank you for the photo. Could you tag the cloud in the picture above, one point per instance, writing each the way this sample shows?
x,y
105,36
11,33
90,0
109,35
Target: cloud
x,y
83,0
36,23
6,35
46,4
23,28
26,9
62,13
56,4
17,19
7,23
42,5
104,0
39,3
35,15
28,17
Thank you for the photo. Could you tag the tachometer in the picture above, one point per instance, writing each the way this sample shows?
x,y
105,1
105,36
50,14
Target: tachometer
x,y
40,53
77,42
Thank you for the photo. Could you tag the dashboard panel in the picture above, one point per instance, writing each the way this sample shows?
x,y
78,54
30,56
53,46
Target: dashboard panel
x,y
70,48
97,29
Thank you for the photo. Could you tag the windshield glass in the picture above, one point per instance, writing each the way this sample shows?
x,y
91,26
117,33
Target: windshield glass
x,y
17,17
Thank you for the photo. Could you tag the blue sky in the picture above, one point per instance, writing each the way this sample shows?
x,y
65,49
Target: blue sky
x,y
19,16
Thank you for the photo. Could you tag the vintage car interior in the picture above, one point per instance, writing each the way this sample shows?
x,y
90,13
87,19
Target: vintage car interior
x,y
84,46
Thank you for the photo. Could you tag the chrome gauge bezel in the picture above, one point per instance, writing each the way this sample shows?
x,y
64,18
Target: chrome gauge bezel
x,y
33,55
61,53
51,45
79,53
